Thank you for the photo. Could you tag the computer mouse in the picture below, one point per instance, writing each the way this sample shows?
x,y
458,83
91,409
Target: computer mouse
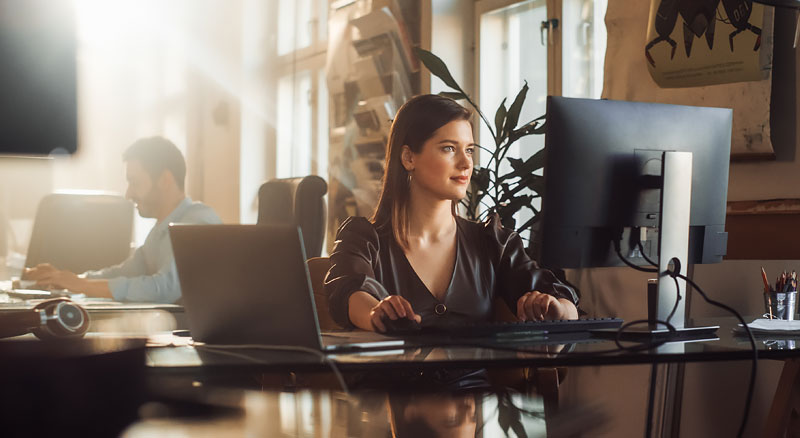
x,y
401,326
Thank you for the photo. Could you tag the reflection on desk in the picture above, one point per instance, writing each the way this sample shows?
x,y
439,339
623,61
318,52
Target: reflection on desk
x,y
413,413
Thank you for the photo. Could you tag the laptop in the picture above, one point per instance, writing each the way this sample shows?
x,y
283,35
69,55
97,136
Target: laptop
x,y
249,284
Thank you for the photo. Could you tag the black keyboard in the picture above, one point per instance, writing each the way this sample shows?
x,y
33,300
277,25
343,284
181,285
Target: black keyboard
x,y
516,328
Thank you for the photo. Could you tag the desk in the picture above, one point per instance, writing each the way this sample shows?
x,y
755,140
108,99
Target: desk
x,y
560,350
58,388
212,367
112,316
184,368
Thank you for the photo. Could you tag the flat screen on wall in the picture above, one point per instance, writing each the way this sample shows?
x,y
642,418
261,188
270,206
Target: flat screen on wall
x,y
38,78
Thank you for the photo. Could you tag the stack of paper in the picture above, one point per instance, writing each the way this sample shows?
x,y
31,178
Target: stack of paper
x,y
771,327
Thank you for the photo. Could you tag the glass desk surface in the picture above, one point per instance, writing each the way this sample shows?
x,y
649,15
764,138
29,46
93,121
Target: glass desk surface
x,y
572,349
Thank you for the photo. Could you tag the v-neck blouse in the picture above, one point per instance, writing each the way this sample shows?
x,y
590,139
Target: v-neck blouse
x,y
490,262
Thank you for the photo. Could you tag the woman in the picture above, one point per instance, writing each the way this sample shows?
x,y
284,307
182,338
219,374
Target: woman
x,y
416,258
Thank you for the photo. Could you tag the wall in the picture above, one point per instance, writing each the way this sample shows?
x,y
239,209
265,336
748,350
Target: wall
x,y
214,118
159,69
452,40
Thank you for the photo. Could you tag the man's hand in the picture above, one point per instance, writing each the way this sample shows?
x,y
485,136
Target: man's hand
x,y
58,279
538,306
48,277
39,271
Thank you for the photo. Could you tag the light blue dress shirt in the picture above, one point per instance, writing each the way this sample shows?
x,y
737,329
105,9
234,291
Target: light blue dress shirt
x,y
150,275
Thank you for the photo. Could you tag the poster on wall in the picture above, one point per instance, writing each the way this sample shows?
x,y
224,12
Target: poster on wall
x,y
692,43
626,77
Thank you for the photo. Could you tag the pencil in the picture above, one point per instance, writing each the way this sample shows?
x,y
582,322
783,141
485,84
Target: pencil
x,y
766,291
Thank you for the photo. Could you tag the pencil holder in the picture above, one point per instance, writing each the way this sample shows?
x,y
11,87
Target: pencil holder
x,y
784,304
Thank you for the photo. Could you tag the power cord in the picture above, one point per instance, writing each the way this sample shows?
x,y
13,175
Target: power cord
x,y
675,274
631,265
223,349
644,256
666,323
651,401
754,368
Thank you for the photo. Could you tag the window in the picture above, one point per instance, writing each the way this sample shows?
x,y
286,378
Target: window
x,y
556,46
285,112
515,44
583,41
132,73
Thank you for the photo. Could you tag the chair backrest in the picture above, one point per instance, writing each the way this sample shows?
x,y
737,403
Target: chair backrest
x,y
296,200
79,232
317,268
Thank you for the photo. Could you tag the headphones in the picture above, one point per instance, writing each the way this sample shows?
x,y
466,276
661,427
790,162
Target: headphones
x,y
51,319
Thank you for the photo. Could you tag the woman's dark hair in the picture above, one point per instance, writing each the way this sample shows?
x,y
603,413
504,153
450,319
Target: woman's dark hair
x,y
157,154
414,124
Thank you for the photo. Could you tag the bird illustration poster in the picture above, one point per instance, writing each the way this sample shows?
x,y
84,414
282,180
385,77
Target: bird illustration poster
x,y
692,43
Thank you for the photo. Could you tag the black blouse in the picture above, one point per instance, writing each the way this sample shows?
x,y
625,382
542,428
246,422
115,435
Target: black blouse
x,y
490,262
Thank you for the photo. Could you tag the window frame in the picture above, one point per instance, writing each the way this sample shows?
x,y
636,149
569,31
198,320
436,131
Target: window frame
x,y
554,72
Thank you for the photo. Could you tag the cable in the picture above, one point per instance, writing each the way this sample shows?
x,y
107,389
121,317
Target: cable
x,y
644,256
221,349
651,401
627,262
677,299
754,369
677,286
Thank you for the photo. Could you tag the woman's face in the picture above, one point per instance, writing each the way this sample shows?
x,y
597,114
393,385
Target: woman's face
x,y
444,165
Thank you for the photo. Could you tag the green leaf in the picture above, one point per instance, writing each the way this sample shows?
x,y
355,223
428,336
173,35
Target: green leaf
x,y
453,95
532,127
514,110
499,119
437,67
480,178
524,129
533,163
507,210
536,183
533,182
516,163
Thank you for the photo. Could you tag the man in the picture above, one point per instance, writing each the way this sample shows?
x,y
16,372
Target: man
x,y
155,170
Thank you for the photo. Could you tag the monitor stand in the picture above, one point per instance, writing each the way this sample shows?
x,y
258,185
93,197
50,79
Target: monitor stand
x,y
673,244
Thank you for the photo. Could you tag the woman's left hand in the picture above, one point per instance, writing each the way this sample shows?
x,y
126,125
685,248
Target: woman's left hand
x,y
538,306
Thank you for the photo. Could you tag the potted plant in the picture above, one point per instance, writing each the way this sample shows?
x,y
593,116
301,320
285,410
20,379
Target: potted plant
x,y
505,191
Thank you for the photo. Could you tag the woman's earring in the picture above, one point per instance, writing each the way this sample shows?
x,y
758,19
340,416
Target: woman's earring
x,y
409,178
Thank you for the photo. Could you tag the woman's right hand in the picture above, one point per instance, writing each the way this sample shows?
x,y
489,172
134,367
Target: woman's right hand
x,y
392,307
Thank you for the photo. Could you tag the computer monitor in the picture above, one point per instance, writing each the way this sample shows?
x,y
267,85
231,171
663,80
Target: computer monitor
x,y
38,78
606,180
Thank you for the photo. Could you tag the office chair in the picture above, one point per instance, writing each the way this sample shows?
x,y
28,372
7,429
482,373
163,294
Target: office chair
x,y
80,232
317,268
296,200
